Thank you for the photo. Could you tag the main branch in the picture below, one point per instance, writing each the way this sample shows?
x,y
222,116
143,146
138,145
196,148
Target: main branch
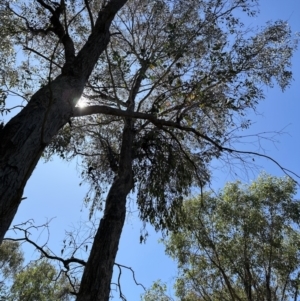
x,y
159,122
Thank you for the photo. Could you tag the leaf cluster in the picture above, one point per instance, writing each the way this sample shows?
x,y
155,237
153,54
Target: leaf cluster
x,y
38,280
242,244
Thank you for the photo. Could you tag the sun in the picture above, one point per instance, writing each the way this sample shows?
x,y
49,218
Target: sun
x,y
82,102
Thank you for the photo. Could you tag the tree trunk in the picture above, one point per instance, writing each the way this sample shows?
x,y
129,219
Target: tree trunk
x,y
25,136
96,279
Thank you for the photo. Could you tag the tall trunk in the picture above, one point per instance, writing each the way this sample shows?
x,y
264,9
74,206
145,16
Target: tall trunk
x,y
96,279
25,136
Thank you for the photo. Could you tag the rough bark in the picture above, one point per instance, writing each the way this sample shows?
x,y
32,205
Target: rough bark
x,y
25,136
96,279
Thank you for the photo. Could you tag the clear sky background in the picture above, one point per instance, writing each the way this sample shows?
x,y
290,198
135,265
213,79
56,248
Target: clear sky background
x,y
54,191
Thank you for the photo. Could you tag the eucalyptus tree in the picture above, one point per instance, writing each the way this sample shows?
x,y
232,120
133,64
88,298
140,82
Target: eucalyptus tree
x,y
7,59
161,101
58,34
38,280
164,99
11,259
241,244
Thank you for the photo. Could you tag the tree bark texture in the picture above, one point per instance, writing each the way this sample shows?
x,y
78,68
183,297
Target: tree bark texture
x,y
25,136
96,279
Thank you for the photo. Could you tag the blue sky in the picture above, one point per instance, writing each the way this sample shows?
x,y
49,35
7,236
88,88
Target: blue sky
x,y
54,191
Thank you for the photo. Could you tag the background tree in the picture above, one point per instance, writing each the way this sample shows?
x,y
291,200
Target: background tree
x,y
241,244
156,292
37,281
11,259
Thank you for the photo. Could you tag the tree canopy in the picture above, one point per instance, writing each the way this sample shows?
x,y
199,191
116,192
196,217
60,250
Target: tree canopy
x,y
37,281
40,281
240,244
11,259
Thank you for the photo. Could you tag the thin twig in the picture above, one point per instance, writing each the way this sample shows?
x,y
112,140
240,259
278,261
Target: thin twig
x,y
133,274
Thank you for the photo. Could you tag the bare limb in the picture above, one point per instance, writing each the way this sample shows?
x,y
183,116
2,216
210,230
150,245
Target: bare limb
x,y
133,274
119,284
41,55
48,7
87,5
26,238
